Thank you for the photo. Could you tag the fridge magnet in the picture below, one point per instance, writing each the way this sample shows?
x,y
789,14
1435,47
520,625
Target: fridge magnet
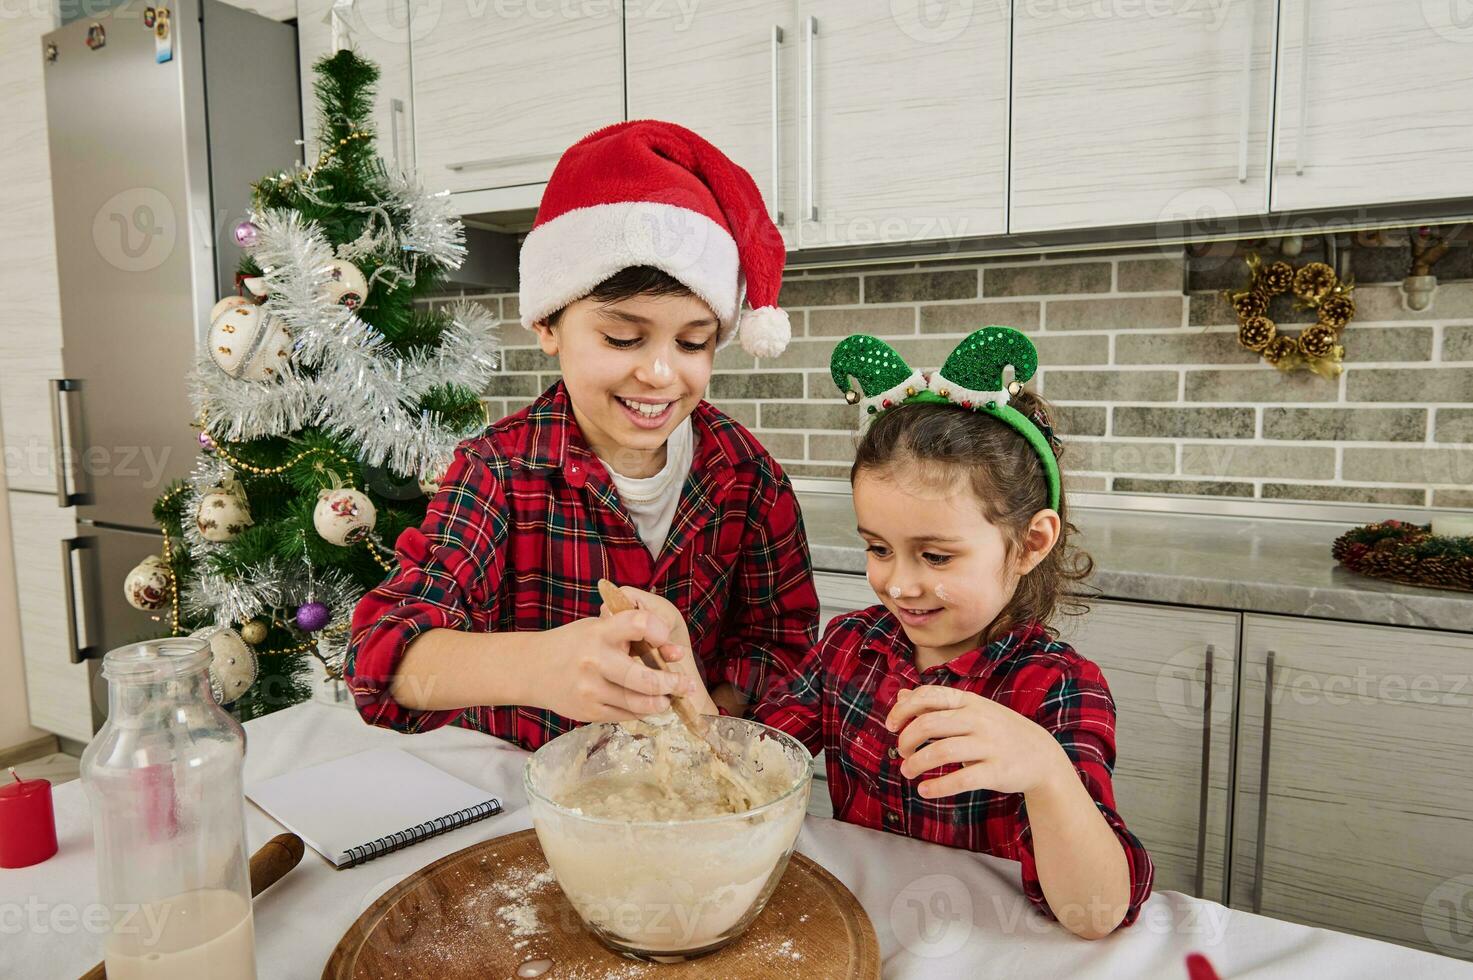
x,y
163,37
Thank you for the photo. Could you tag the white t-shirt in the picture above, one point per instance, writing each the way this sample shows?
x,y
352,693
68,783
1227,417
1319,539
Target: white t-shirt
x,y
651,500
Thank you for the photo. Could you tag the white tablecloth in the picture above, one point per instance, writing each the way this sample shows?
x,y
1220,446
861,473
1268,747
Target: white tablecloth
x,y
938,912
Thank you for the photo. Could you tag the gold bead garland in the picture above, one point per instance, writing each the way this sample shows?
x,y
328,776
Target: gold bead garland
x,y
322,159
1315,286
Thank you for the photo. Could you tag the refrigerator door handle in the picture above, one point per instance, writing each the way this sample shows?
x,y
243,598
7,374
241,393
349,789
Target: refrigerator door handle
x,y
70,546
59,448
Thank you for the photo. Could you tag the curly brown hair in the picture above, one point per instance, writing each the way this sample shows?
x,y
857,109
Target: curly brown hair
x,y
945,444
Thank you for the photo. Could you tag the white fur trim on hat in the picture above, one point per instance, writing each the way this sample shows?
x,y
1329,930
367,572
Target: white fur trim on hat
x,y
765,332
563,259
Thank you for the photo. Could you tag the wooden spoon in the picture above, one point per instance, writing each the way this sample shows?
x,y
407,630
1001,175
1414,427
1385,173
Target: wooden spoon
x,y
698,724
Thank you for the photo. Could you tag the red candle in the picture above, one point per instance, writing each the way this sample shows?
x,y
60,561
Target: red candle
x,y
27,822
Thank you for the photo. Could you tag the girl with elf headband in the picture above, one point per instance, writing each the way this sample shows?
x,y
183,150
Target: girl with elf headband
x,y
949,710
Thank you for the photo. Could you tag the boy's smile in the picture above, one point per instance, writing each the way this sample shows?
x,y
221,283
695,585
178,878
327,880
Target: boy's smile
x,y
634,369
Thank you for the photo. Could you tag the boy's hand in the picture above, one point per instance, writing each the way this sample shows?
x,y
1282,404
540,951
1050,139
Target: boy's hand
x,y
999,749
677,651
590,675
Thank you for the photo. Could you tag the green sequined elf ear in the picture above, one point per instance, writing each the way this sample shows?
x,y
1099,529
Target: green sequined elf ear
x,y
884,377
973,378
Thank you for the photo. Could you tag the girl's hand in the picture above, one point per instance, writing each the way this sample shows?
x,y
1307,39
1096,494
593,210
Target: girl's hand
x,y
678,650
589,675
998,748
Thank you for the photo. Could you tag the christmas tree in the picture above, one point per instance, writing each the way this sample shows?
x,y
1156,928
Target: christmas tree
x,y
330,398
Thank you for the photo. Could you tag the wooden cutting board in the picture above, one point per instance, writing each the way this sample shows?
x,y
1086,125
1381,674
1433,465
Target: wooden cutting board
x,y
494,908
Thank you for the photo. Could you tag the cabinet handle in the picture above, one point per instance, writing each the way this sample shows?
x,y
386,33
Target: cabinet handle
x,y
1206,765
396,110
508,161
59,451
1268,728
777,211
1245,115
1300,156
810,34
69,546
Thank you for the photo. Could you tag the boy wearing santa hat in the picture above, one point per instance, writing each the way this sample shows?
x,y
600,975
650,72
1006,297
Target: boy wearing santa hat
x,y
646,242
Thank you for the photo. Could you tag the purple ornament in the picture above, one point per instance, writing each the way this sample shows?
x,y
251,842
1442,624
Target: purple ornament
x,y
312,616
206,442
247,234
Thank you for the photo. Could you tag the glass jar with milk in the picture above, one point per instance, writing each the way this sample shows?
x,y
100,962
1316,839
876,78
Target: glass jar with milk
x,y
163,775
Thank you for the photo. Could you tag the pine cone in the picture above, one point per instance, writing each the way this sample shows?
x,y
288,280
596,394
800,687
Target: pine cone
x,y
1314,282
1257,332
1279,348
1250,304
1337,311
1276,279
1317,341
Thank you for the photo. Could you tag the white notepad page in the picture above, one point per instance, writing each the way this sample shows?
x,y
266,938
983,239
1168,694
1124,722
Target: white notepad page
x,y
353,801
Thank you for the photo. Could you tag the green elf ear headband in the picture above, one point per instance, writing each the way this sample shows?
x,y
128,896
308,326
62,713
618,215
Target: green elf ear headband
x,y
971,379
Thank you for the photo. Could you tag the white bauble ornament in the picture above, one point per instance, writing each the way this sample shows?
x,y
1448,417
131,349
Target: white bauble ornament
x,y
343,516
430,480
256,285
147,585
227,304
346,284
247,342
222,515
233,670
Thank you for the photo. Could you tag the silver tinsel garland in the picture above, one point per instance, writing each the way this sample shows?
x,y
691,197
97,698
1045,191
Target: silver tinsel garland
x,y
343,376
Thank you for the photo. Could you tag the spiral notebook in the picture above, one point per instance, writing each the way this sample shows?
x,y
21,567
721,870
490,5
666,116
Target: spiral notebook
x,y
359,807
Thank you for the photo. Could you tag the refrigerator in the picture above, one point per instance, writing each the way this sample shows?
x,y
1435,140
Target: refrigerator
x,y
159,119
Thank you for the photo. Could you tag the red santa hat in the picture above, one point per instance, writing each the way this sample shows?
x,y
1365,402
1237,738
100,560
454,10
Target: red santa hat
x,y
653,193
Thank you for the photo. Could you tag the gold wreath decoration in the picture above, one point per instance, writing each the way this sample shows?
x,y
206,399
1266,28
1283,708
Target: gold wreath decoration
x,y
1314,286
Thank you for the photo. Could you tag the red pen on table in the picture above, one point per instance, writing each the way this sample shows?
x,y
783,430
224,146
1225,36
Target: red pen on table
x,y
27,822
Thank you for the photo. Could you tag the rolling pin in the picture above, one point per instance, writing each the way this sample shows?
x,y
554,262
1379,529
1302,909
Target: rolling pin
x,y
275,858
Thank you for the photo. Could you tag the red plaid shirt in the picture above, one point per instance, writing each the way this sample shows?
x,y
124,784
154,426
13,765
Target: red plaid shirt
x,y
838,699
527,521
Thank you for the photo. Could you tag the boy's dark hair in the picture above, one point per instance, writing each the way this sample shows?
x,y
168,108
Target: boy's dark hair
x,y
1005,475
636,280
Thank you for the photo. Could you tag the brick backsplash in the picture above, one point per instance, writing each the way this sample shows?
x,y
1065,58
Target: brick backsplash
x,y
1139,353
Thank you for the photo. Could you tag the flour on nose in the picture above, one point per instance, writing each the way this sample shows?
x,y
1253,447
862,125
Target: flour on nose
x,y
661,370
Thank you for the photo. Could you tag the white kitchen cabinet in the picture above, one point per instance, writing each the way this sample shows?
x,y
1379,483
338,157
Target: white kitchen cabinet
x,y
501,89
1130,116
902,121
380,33
727,72
59,691
1171,671
1354,803
1374,103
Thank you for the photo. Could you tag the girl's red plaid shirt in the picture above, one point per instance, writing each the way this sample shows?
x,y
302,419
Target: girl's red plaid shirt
x,y
527,521
841,693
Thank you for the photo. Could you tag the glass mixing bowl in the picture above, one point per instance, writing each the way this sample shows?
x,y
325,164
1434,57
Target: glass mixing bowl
x,y
665,890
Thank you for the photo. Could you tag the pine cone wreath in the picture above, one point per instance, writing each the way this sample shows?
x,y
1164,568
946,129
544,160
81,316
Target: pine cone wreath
x,y
1314,282
1257,332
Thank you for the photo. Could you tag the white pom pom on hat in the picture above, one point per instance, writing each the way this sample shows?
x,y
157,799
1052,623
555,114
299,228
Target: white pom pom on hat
x,y
652,193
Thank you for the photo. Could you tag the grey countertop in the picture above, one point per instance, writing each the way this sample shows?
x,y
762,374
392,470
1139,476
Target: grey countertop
x,y
1249,564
